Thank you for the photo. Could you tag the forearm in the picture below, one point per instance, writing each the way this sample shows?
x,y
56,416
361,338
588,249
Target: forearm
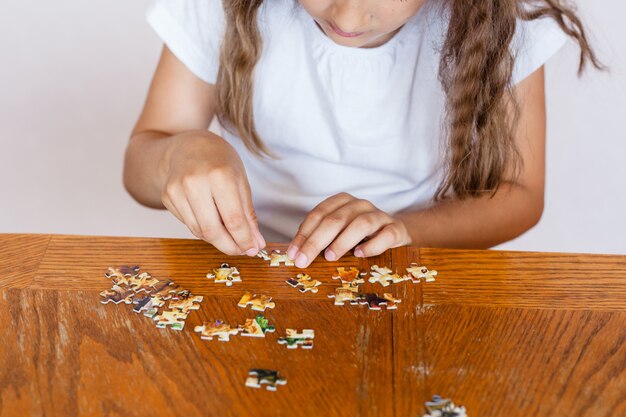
x,y
147,161
476,223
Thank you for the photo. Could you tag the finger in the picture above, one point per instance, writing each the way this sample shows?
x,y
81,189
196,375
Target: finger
x,y
388,237
246,196
313,219
328,229
210,225
363,225
181,206
230,207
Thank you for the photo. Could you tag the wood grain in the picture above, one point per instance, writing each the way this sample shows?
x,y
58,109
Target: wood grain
x,y
19,258
521,362
503,333
526,279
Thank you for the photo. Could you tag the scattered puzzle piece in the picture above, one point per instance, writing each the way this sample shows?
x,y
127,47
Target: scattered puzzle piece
x,y
307,283
166,289
142,282
120,275
295,339
225,273
276,258
117,295
350,275
149,304
417,273
384,277
174,319
345,293
259,303
270,379
218,329
263,255
187,303
256,327
440,407
374,302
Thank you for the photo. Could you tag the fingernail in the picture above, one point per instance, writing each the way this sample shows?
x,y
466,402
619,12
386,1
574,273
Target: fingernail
x,y
252,252
292,251
330,255
301,260
359,253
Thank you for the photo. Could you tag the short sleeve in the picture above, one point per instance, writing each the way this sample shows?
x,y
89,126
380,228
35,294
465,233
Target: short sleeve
x,y
534,44
193,31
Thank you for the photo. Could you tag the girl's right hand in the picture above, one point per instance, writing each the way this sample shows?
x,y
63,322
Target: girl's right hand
x,y
206,188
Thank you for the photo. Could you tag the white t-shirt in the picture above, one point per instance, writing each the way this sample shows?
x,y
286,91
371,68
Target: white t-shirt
x,y
362,121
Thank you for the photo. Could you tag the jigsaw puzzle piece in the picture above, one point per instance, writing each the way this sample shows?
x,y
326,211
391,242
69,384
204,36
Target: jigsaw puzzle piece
x,y
350,275
225,274
346,292
263,255
149,304
276,258
417,273
165,288
218,329
173,319
384,276
374,302
258,302
187,304
256,327
120,275
294,339
269,378
117,295
307,283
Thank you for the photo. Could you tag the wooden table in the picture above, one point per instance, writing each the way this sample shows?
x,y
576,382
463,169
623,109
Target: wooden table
x,y
503,333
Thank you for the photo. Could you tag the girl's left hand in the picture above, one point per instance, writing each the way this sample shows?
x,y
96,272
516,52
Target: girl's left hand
x,y
340,223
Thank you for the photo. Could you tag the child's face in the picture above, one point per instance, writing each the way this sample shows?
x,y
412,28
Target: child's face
x,y
361,23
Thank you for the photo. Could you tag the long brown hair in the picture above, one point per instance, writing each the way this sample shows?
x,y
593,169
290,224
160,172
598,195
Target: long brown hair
x,y
475,71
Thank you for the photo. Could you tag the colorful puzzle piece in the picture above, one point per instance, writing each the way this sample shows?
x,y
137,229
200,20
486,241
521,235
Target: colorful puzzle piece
x,y
256,327
418,273
263,255
384,277
259,303
166,289
218,329
187,303
270,379
295,339
225,273
117,295
174,319
149,304
440,407
276,258
307,283
374,302
120,275
142,282
350,275
345,293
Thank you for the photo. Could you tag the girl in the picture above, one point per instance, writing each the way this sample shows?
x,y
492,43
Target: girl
x,y
349,124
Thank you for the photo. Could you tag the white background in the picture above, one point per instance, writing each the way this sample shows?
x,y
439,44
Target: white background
x,y
73,77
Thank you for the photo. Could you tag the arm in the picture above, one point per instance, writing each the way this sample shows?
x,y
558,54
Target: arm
x,y
486,221
341,222
173,161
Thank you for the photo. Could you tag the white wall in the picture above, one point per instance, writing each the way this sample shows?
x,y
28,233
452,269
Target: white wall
x,y
73,77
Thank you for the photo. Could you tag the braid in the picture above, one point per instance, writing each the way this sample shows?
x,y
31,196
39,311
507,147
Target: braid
x,y
240,51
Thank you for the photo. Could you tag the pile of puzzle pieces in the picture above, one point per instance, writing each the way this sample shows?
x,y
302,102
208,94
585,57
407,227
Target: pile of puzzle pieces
x,y
351,278
149,294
